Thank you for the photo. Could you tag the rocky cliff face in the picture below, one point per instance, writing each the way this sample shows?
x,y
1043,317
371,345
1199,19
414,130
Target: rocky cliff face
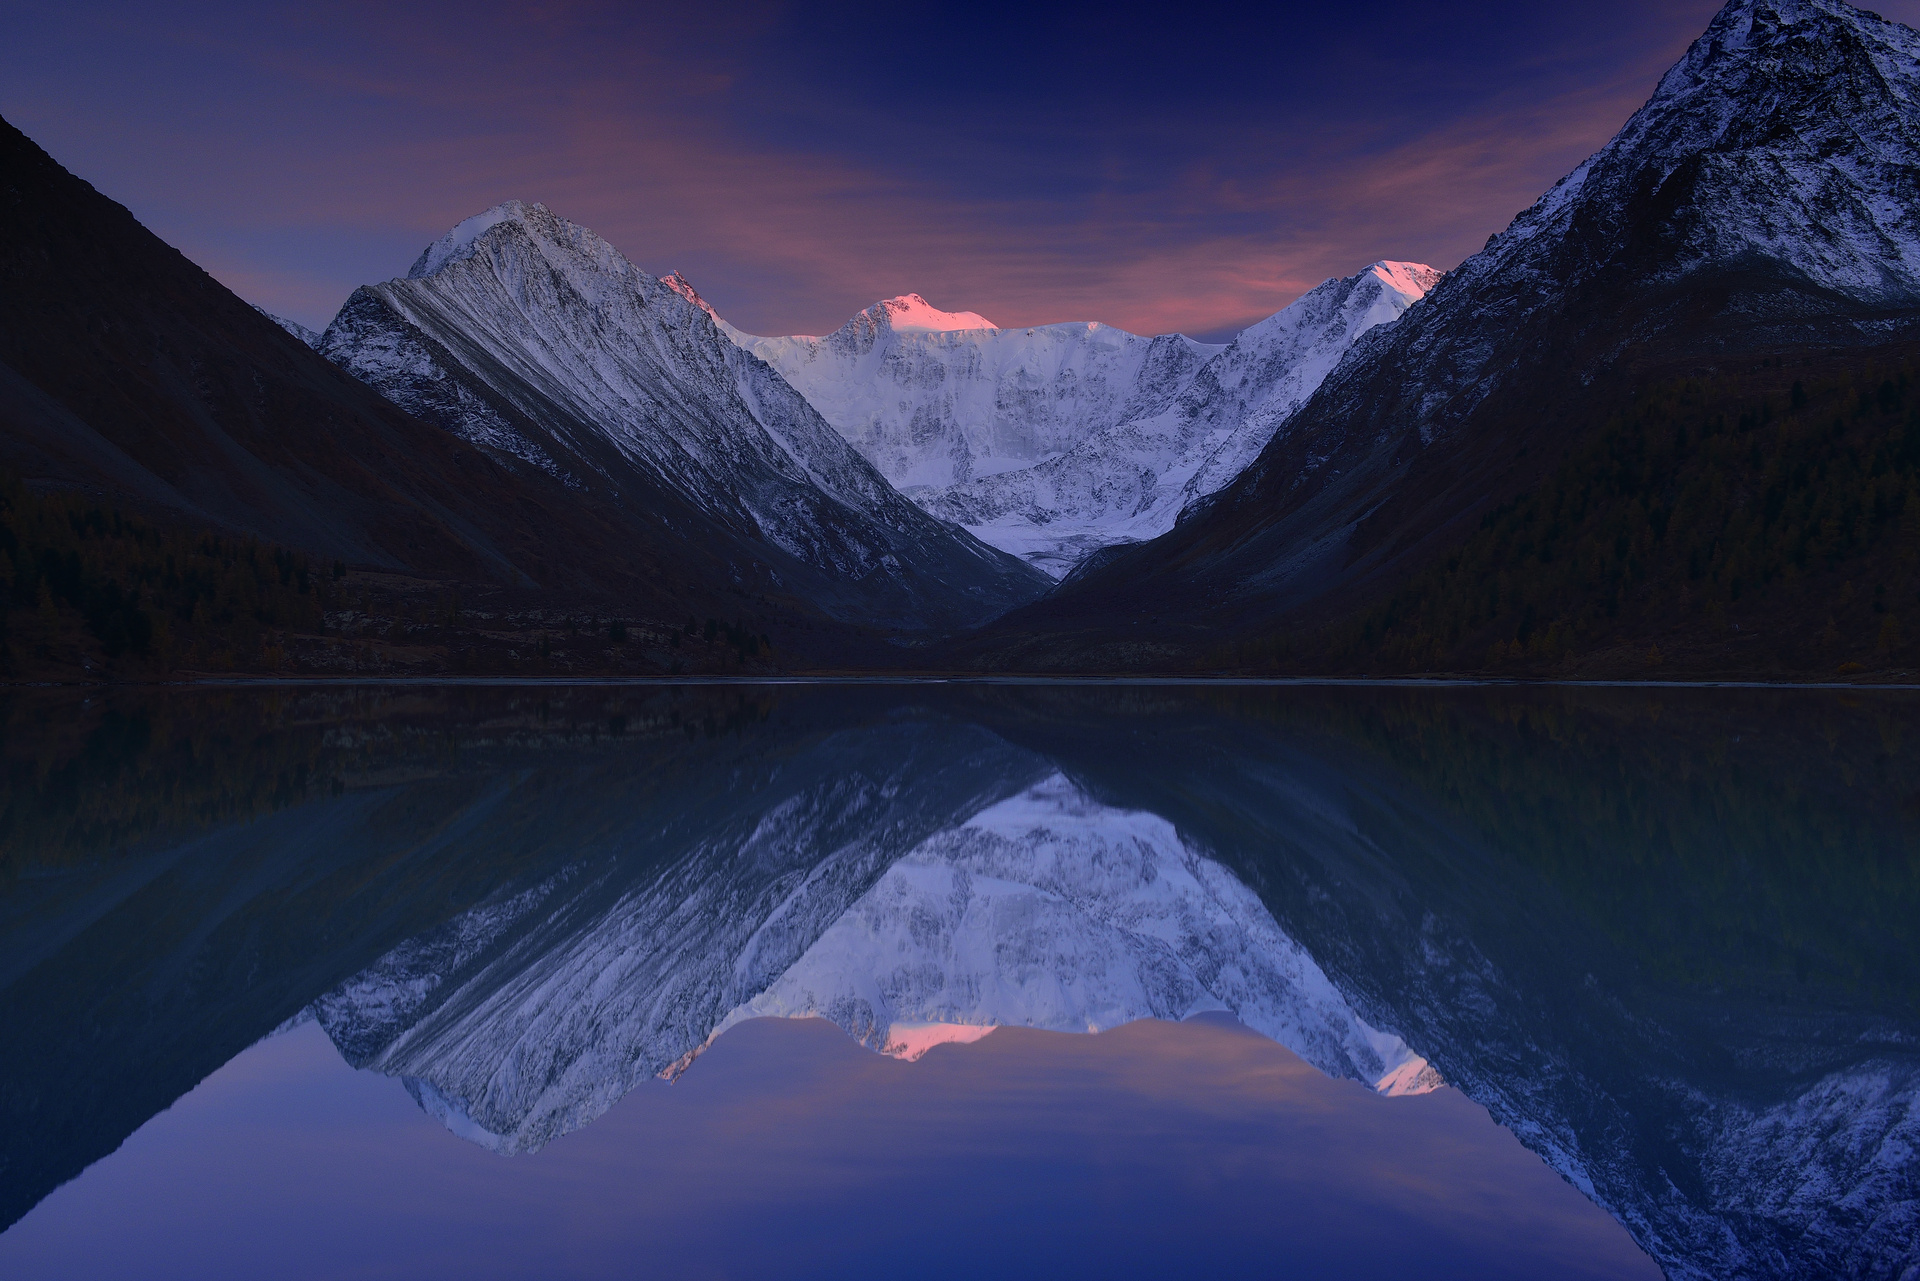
x,y
536,341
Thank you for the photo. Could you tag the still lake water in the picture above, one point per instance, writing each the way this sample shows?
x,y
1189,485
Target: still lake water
x,y
742,981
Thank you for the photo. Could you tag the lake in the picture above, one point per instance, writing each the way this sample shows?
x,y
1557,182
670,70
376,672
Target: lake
x,y
798,980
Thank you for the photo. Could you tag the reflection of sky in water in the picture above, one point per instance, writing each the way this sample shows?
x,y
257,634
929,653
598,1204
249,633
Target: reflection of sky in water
x,y
788,1150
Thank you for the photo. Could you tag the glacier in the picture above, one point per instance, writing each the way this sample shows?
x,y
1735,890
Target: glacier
x,y
1129,481
937,398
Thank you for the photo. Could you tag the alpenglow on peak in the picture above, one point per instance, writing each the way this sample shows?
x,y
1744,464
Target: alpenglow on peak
x,y
912,314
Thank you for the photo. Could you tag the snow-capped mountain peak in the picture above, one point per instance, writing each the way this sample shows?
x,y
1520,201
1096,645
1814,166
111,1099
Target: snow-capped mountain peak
x,y
535,339
458,243
1765,200
912,314
1054,441
931,406
1411,279
1130,479
682,286
1785,134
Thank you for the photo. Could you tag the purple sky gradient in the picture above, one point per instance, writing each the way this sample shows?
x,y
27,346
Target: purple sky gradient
x,y
1161,167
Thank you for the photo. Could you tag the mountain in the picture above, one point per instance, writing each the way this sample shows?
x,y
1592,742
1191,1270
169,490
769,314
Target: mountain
x,y
127,371
935,398
1758,213
1129,477
540,345
1055,441
134,384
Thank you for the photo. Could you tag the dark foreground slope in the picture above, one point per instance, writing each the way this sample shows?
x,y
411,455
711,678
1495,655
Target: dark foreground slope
x,y
1757,223
126,369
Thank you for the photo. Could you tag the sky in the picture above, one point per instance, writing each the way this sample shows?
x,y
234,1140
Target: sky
x,y
1160,167
789,1150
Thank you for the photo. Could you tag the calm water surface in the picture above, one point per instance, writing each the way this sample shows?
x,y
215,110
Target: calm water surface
x,y
766,982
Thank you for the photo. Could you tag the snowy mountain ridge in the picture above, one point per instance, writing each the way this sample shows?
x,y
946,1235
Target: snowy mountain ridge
x,y
294,327
933,403
1053,441
533,338
1784,137
1129,480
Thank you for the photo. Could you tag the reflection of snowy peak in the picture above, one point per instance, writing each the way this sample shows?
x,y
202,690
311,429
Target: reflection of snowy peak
x,y
527,1018
536,340
1051,911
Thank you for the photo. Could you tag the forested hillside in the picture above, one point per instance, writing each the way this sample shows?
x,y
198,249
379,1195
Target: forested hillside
x,y
1766,522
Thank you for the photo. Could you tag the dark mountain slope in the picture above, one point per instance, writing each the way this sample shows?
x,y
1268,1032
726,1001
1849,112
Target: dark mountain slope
x,y
1765,522
1763,206
128,373
125,367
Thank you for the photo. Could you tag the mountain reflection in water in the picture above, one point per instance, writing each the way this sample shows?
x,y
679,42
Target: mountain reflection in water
x,y
1667,938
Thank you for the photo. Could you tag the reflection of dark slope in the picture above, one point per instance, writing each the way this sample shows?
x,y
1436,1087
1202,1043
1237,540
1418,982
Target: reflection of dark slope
x,y
1673,957
187,955
127,977
535,1012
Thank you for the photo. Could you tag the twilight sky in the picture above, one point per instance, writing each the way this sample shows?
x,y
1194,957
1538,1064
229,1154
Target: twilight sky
x,y
1172,166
